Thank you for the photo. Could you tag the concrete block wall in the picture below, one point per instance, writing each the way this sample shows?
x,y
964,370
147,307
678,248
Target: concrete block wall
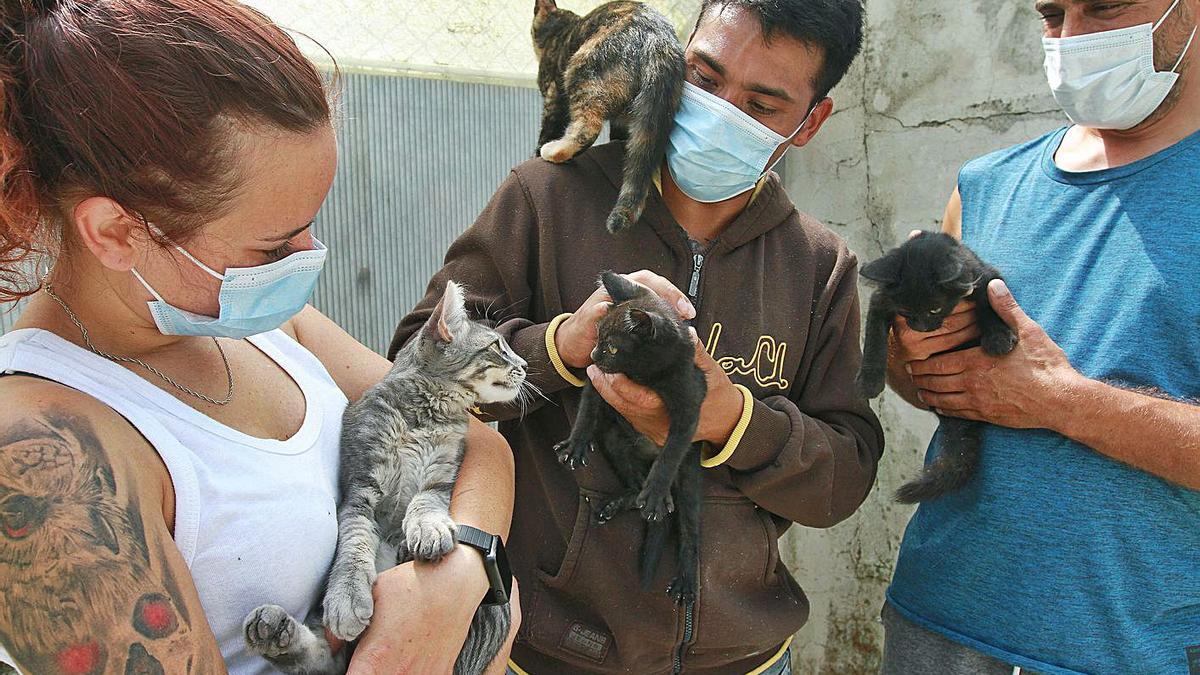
x,y
939,82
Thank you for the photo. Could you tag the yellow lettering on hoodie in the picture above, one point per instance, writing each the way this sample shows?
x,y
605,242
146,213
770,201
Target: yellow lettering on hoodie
x,y
765,365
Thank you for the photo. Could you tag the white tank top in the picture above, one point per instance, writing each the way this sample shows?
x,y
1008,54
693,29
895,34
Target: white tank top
x,y
255,519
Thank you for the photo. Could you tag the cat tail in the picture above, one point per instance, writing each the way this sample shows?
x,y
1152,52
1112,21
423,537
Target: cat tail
x,y
489,629
952,468
651,116
653,545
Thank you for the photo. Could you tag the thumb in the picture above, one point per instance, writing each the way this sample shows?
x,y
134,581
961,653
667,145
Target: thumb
x,y
629,392
697,345
701,355
597,311
1005,305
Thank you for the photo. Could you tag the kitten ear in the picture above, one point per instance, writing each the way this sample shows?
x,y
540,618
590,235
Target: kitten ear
x,y
541,7
885,270
639,322
949,272
448,315
435,327
960,287
621,289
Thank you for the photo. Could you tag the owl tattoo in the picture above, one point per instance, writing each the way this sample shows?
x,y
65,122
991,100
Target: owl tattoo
x,y
82,594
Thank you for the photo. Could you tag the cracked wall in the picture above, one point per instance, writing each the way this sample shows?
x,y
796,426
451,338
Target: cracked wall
x,y
939,82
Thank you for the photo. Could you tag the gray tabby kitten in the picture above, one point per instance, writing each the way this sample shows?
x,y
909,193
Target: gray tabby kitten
x,y
401,447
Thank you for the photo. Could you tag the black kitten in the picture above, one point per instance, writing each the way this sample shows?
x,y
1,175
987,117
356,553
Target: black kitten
x,y
923,280
643,338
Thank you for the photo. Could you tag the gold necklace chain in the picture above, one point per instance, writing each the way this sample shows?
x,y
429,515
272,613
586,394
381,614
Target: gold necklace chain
x,y
87,340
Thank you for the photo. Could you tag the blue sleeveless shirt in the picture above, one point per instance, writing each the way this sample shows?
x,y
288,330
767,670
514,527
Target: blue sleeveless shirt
x,y
1056,558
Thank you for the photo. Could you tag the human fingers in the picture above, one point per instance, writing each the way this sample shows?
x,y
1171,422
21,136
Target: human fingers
x,y
941,364
665,290
621,392
957,321
944,401
963,306
941,384
943,342
966,414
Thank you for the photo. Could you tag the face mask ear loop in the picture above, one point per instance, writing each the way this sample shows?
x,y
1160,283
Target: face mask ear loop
x,y
147,286
1164,16
199,264
187,255
793,135
1185,49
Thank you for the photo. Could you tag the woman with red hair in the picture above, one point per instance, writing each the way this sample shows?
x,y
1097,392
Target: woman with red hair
x,y
169,433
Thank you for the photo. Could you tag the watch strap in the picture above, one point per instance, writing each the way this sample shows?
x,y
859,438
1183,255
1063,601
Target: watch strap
x,y
495,562
475,538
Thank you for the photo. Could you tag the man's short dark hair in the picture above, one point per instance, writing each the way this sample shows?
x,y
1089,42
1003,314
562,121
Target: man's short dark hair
x,y
835,26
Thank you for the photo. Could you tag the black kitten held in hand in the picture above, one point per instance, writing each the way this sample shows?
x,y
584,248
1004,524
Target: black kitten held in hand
x,y
621,62
643,338
923,280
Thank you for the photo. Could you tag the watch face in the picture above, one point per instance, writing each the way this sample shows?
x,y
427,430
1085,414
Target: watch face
x,y
495,563
500,574
502,565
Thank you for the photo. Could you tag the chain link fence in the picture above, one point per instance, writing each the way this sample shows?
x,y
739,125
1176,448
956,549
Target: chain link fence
x,y
456,39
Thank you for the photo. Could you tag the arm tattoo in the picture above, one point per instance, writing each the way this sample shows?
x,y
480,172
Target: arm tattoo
x,y
83,593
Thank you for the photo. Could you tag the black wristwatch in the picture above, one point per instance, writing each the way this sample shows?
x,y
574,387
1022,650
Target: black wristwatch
x,y
495,562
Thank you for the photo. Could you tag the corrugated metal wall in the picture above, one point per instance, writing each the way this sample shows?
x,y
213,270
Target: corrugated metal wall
x,y
419,160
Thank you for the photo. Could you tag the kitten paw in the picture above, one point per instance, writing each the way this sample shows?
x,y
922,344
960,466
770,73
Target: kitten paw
x,y
573,455
999,342
869,385
269,631
349,605
558,151
655,504
430,537
609,509
402,553
683,589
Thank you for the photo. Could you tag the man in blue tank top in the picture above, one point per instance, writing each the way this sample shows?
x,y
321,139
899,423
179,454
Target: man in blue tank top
x,y
1076,546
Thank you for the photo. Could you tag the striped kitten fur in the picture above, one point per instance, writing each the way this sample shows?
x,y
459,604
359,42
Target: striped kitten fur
x,y
621,62
401,448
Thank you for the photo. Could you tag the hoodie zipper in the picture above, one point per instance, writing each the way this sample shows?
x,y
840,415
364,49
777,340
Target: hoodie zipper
x,y
698,254
693,293
689,610
697,265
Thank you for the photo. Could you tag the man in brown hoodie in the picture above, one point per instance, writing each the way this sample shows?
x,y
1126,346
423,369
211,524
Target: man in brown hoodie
x,y
774,299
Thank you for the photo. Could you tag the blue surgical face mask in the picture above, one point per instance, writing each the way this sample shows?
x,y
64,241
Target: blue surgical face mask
x,y
716,151
253,299
1107,80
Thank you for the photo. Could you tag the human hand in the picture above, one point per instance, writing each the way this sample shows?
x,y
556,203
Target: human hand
x,y
422,614
576,336
1020,390
644,409
908,345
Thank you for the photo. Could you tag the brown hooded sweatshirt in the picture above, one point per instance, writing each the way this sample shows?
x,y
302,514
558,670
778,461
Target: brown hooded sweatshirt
x,y
777,307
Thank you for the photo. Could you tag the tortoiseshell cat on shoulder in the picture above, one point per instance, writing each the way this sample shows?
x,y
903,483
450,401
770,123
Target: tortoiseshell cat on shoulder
x,y
622,62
